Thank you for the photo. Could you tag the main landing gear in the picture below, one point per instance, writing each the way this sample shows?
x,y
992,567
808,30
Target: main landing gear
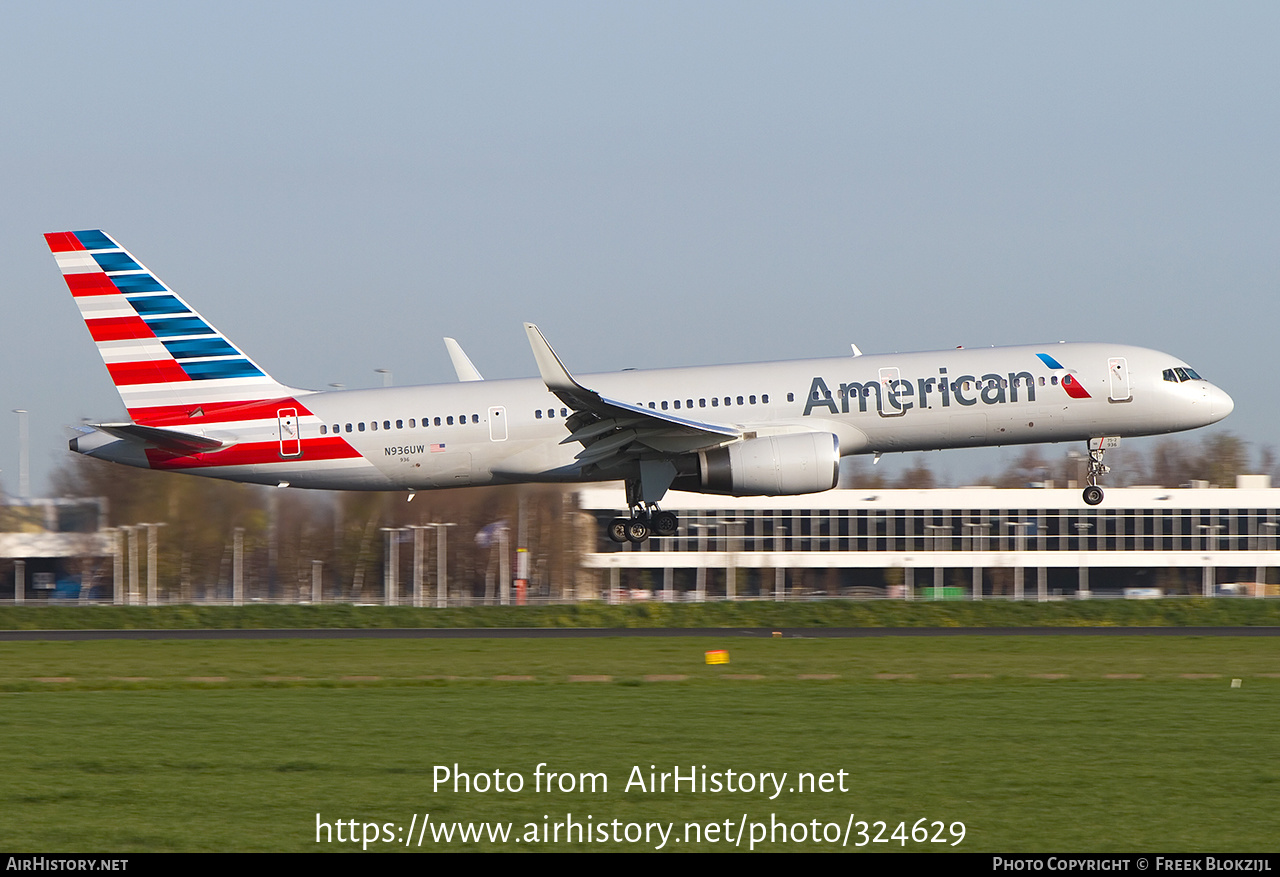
x,y
1098,446
644,521
643,495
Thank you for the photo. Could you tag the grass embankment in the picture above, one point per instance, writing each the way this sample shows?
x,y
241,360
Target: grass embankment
x,y
1184,612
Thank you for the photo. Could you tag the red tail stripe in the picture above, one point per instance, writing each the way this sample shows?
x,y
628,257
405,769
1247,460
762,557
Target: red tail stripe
x,y
93,283
214,412
62,241
254,453
119,328
156,371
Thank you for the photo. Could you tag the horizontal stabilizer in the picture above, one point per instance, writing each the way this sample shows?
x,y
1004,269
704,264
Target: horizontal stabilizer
x,y
182,443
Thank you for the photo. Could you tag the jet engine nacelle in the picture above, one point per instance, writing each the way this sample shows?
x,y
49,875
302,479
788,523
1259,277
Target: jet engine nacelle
x,y
776,465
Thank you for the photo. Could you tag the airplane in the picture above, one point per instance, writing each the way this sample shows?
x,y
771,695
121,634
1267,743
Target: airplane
x,y
198,404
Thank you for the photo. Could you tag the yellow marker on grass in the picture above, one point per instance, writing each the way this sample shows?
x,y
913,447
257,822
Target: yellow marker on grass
x,y
717,656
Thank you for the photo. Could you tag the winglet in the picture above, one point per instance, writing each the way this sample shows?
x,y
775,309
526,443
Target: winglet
x,y
554,374
461,362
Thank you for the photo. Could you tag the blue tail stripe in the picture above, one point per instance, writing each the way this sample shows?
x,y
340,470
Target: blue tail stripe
x,y
116,262
94,240
173,326
128,283
191,348
224,368
158,304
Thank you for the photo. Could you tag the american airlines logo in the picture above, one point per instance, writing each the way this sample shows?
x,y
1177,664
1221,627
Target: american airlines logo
x,y
893,394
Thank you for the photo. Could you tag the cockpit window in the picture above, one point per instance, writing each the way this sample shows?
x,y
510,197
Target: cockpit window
x,y
1170,376
1191,373
1182,374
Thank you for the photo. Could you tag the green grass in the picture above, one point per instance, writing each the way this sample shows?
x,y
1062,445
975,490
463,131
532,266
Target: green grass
x,y
1082,763
1179,612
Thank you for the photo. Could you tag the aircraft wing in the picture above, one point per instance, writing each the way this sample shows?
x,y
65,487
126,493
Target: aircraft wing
x,y
613,432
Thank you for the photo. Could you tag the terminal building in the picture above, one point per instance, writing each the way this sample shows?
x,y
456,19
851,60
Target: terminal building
x,y
51,546
970,543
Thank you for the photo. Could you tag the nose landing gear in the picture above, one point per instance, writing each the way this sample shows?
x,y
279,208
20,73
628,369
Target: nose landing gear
x,y
1097,447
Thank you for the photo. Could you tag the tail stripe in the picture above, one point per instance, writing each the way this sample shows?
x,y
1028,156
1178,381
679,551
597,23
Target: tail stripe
x,y
118,328
119,261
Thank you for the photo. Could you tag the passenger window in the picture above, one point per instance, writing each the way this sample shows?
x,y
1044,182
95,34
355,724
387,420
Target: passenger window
x,y
688,403
449,420
399,424
438,421
537,415
702,403
475,418
348,427
360,426
791,397
664,405
739,400
324,430
715,401
753,400
411,422
373,425
764,400
677,404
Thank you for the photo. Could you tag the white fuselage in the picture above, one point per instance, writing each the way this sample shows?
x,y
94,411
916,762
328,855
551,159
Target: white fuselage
x,y
505,431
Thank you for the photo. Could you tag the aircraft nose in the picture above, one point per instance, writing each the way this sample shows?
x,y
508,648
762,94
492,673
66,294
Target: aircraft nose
x,y
1220,404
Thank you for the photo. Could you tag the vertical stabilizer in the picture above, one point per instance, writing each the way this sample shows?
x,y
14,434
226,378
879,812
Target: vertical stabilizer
x,y
168,363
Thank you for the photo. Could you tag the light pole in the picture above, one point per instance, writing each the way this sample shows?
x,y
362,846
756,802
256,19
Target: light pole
x,y
153,562
700,583
391,567
24,455
936,530
731,561
977,529
419,558
1260,575
442,564
1020,530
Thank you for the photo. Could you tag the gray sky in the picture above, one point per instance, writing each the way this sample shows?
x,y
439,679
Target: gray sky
x,y
337,186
